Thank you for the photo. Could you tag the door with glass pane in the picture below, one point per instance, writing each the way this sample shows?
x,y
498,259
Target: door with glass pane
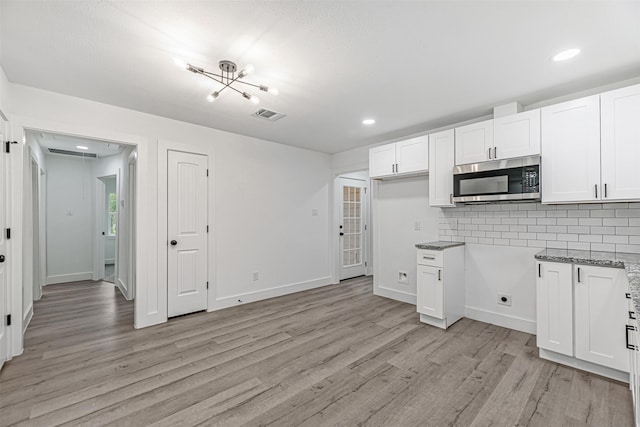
x,y
352,226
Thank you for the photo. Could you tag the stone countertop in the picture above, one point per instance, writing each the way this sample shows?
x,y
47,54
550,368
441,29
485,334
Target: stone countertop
x,y
438,246
630,262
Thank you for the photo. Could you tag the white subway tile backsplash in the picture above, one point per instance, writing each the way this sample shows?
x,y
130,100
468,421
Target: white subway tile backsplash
x,y
581,246
578,229
598,226
556,229
590,221
527,221
616,222
557,244
567,221
615,239
606,247
591,238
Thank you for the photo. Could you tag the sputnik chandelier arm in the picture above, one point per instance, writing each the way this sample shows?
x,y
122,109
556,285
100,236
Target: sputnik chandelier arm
x,y
227,78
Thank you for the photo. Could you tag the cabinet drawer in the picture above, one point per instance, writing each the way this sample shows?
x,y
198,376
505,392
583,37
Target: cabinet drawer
x,y
432,258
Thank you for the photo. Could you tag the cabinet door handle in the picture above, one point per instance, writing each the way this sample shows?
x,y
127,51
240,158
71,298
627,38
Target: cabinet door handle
x,y
450,198
539,270
632,315
495,152
627,295
393,168
397,169
440,275
489,153
605,191
596,190
578,274
626,336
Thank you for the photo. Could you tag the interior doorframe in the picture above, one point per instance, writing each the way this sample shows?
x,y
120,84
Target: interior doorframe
x,y
163,147
19,161
335,228
131,227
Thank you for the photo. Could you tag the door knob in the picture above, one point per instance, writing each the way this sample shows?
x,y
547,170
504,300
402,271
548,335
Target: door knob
x,y
1,258
173,243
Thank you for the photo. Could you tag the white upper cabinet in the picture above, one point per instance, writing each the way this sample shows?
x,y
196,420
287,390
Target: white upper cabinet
x,y
412,155
620,121
570,169
382,161
517,135
409,157
474,143
441,162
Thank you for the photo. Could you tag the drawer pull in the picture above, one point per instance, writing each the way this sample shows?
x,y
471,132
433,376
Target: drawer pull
x,y
632,315
429,257
440,275
626,335
627,295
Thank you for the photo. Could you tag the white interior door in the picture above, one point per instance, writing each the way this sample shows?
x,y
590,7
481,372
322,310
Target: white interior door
x,y
4,282
352,227
187,232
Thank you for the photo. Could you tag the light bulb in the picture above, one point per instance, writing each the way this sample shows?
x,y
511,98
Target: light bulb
x,y
213,96
180,63
566,54
241,74
82,147
249,69
273,91
255,99
368,121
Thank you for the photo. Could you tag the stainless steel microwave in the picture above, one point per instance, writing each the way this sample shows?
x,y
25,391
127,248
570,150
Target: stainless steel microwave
x,y
508,179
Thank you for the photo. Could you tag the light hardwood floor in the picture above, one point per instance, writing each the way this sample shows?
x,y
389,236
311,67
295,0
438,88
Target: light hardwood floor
x,y
336,355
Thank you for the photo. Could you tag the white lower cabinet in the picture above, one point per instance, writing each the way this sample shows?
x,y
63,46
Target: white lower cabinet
x,y
601,316
440,286
582,317
554,293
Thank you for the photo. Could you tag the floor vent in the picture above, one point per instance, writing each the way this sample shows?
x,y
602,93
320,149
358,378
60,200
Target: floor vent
x,y
272,116
71,153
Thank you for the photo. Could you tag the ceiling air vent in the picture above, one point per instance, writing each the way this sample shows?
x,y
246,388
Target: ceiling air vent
x,y
272,116
71,153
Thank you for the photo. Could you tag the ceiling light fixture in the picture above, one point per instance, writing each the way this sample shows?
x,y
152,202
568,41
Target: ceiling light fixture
x,y
228,78
368,121
565,54
81,147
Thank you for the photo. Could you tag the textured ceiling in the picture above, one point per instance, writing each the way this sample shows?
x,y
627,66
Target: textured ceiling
x,y
411,65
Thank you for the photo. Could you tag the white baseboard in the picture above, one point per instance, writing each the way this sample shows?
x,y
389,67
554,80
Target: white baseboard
x,y
394,294
64,278
276,291
504,320
584,365
123,289
27,319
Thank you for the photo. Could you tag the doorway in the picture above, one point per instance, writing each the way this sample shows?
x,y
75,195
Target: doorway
x,y
4,283
352,196
107,197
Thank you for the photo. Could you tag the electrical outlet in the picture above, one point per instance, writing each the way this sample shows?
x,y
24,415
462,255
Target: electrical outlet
x,y
417,226
256,276
403,277
504,299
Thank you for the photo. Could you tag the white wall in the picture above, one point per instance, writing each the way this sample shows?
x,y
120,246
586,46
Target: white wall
x,y
264,195
70,200
398,205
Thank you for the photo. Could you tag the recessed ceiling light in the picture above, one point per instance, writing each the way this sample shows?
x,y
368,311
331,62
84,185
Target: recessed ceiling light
x,y
368,121
81,147
566,54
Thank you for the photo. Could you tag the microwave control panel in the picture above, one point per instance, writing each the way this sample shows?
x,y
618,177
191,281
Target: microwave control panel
x,y
531,179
